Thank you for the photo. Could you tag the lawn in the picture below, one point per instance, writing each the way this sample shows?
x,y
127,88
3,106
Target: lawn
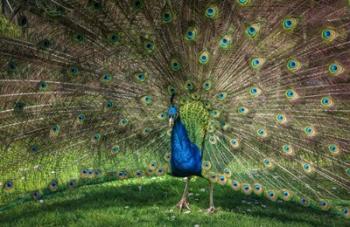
x,y
151,202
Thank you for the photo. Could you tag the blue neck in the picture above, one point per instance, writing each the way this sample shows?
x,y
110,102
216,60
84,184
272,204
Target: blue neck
x,y
186,157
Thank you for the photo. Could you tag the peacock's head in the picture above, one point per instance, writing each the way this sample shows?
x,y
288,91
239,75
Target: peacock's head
x,y
172,114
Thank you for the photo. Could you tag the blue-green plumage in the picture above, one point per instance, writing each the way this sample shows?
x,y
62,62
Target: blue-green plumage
x,y
186,157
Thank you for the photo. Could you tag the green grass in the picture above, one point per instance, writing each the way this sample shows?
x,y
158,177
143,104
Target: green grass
x,y
122,203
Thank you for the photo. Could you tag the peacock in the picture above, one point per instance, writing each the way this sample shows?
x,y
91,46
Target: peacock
x,y
248,94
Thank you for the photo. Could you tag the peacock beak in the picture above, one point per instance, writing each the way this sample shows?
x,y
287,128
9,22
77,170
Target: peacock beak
x,y
171,122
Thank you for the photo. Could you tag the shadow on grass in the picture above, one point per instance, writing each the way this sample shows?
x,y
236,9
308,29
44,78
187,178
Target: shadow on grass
x,y
165,194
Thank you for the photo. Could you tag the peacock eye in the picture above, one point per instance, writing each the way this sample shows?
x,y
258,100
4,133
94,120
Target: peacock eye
x,y
53,186
140,76
291,94
146,131
254,91
252,31
189,86
204,57
97,5
55,128
280,118
215,113
114,38
139,173
12,66
309,131
74,71
191,34
211,12
106,77
243,2
43,85
137,4
149,46
72,184
115,149
332,147
242,110
161,116
175,65
9,185
147,100
293,65
289,24
328,35
325,101
221,96
335,69
36,195
123,122
97,136
79,37
167,17
261,132
81,117
207,85
44,44
23,21
109,103
18,106
225,42
34,148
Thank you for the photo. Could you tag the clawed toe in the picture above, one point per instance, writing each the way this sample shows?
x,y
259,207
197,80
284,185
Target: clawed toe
x,y
183,204
211,210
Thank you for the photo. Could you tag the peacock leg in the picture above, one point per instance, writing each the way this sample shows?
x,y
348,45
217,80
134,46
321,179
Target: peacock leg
x,y
211,208
183,203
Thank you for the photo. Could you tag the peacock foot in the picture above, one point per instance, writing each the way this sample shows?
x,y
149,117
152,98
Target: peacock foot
x,y
211,210
183,203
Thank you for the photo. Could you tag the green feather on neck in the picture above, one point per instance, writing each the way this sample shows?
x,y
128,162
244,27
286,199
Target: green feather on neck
x,y
195,117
